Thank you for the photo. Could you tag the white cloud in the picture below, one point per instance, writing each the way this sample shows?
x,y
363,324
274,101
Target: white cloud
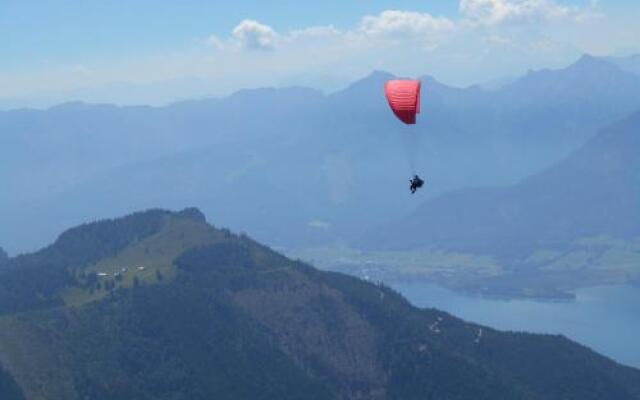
x,y
492,12
388,25
252,35
393,26
403,23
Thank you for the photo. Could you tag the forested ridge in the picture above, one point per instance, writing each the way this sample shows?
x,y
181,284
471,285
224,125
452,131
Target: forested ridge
x,y
228,318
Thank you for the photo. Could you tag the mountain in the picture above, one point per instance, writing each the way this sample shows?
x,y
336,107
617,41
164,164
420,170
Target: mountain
x,y
593,192
589,90
162,305
55,149
3,255
629,64
497,83
585,206
324,167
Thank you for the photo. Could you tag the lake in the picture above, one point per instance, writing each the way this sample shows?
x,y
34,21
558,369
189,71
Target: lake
x,y
606,319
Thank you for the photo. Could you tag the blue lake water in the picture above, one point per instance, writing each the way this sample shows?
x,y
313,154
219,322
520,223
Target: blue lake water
x,y
606,319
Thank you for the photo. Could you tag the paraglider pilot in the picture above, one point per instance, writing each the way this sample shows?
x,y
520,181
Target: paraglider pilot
x,y
416,183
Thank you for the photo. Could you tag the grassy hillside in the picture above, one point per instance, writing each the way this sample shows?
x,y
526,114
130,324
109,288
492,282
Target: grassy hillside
x,y
232,319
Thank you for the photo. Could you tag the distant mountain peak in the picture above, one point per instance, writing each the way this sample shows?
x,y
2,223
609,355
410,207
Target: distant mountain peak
x,y
366,86
380,74
130,228
629,64
81,105
432,82
578,82
588,62
587,58
192,213
375,76
430,79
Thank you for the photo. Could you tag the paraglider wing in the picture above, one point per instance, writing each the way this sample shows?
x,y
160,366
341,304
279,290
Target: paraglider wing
x,y
403,96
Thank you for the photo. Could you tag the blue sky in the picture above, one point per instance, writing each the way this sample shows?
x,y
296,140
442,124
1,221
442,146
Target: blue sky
x,y
76,30
162,50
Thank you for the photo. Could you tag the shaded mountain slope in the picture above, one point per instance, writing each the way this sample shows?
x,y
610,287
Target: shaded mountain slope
x,y
234,320
325,167
630,63
3,255
573,225
8,387
593,192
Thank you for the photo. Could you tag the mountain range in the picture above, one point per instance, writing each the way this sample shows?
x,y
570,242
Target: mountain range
x,y
162,305
594,191
630,64
293,166
576,221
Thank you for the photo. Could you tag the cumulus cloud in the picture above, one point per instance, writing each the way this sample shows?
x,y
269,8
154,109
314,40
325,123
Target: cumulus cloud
x,y
394,22
493,12
252,35
392,25
408,26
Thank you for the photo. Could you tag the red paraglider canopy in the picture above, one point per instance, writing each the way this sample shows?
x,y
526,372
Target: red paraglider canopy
x,y
403,96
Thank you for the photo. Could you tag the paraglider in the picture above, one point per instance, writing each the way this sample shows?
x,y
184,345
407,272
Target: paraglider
x,y
403,96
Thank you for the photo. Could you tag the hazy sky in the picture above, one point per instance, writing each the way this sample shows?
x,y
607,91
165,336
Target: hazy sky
x,y
157,51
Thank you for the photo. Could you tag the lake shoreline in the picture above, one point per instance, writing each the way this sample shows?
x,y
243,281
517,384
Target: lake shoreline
x,y
603,318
